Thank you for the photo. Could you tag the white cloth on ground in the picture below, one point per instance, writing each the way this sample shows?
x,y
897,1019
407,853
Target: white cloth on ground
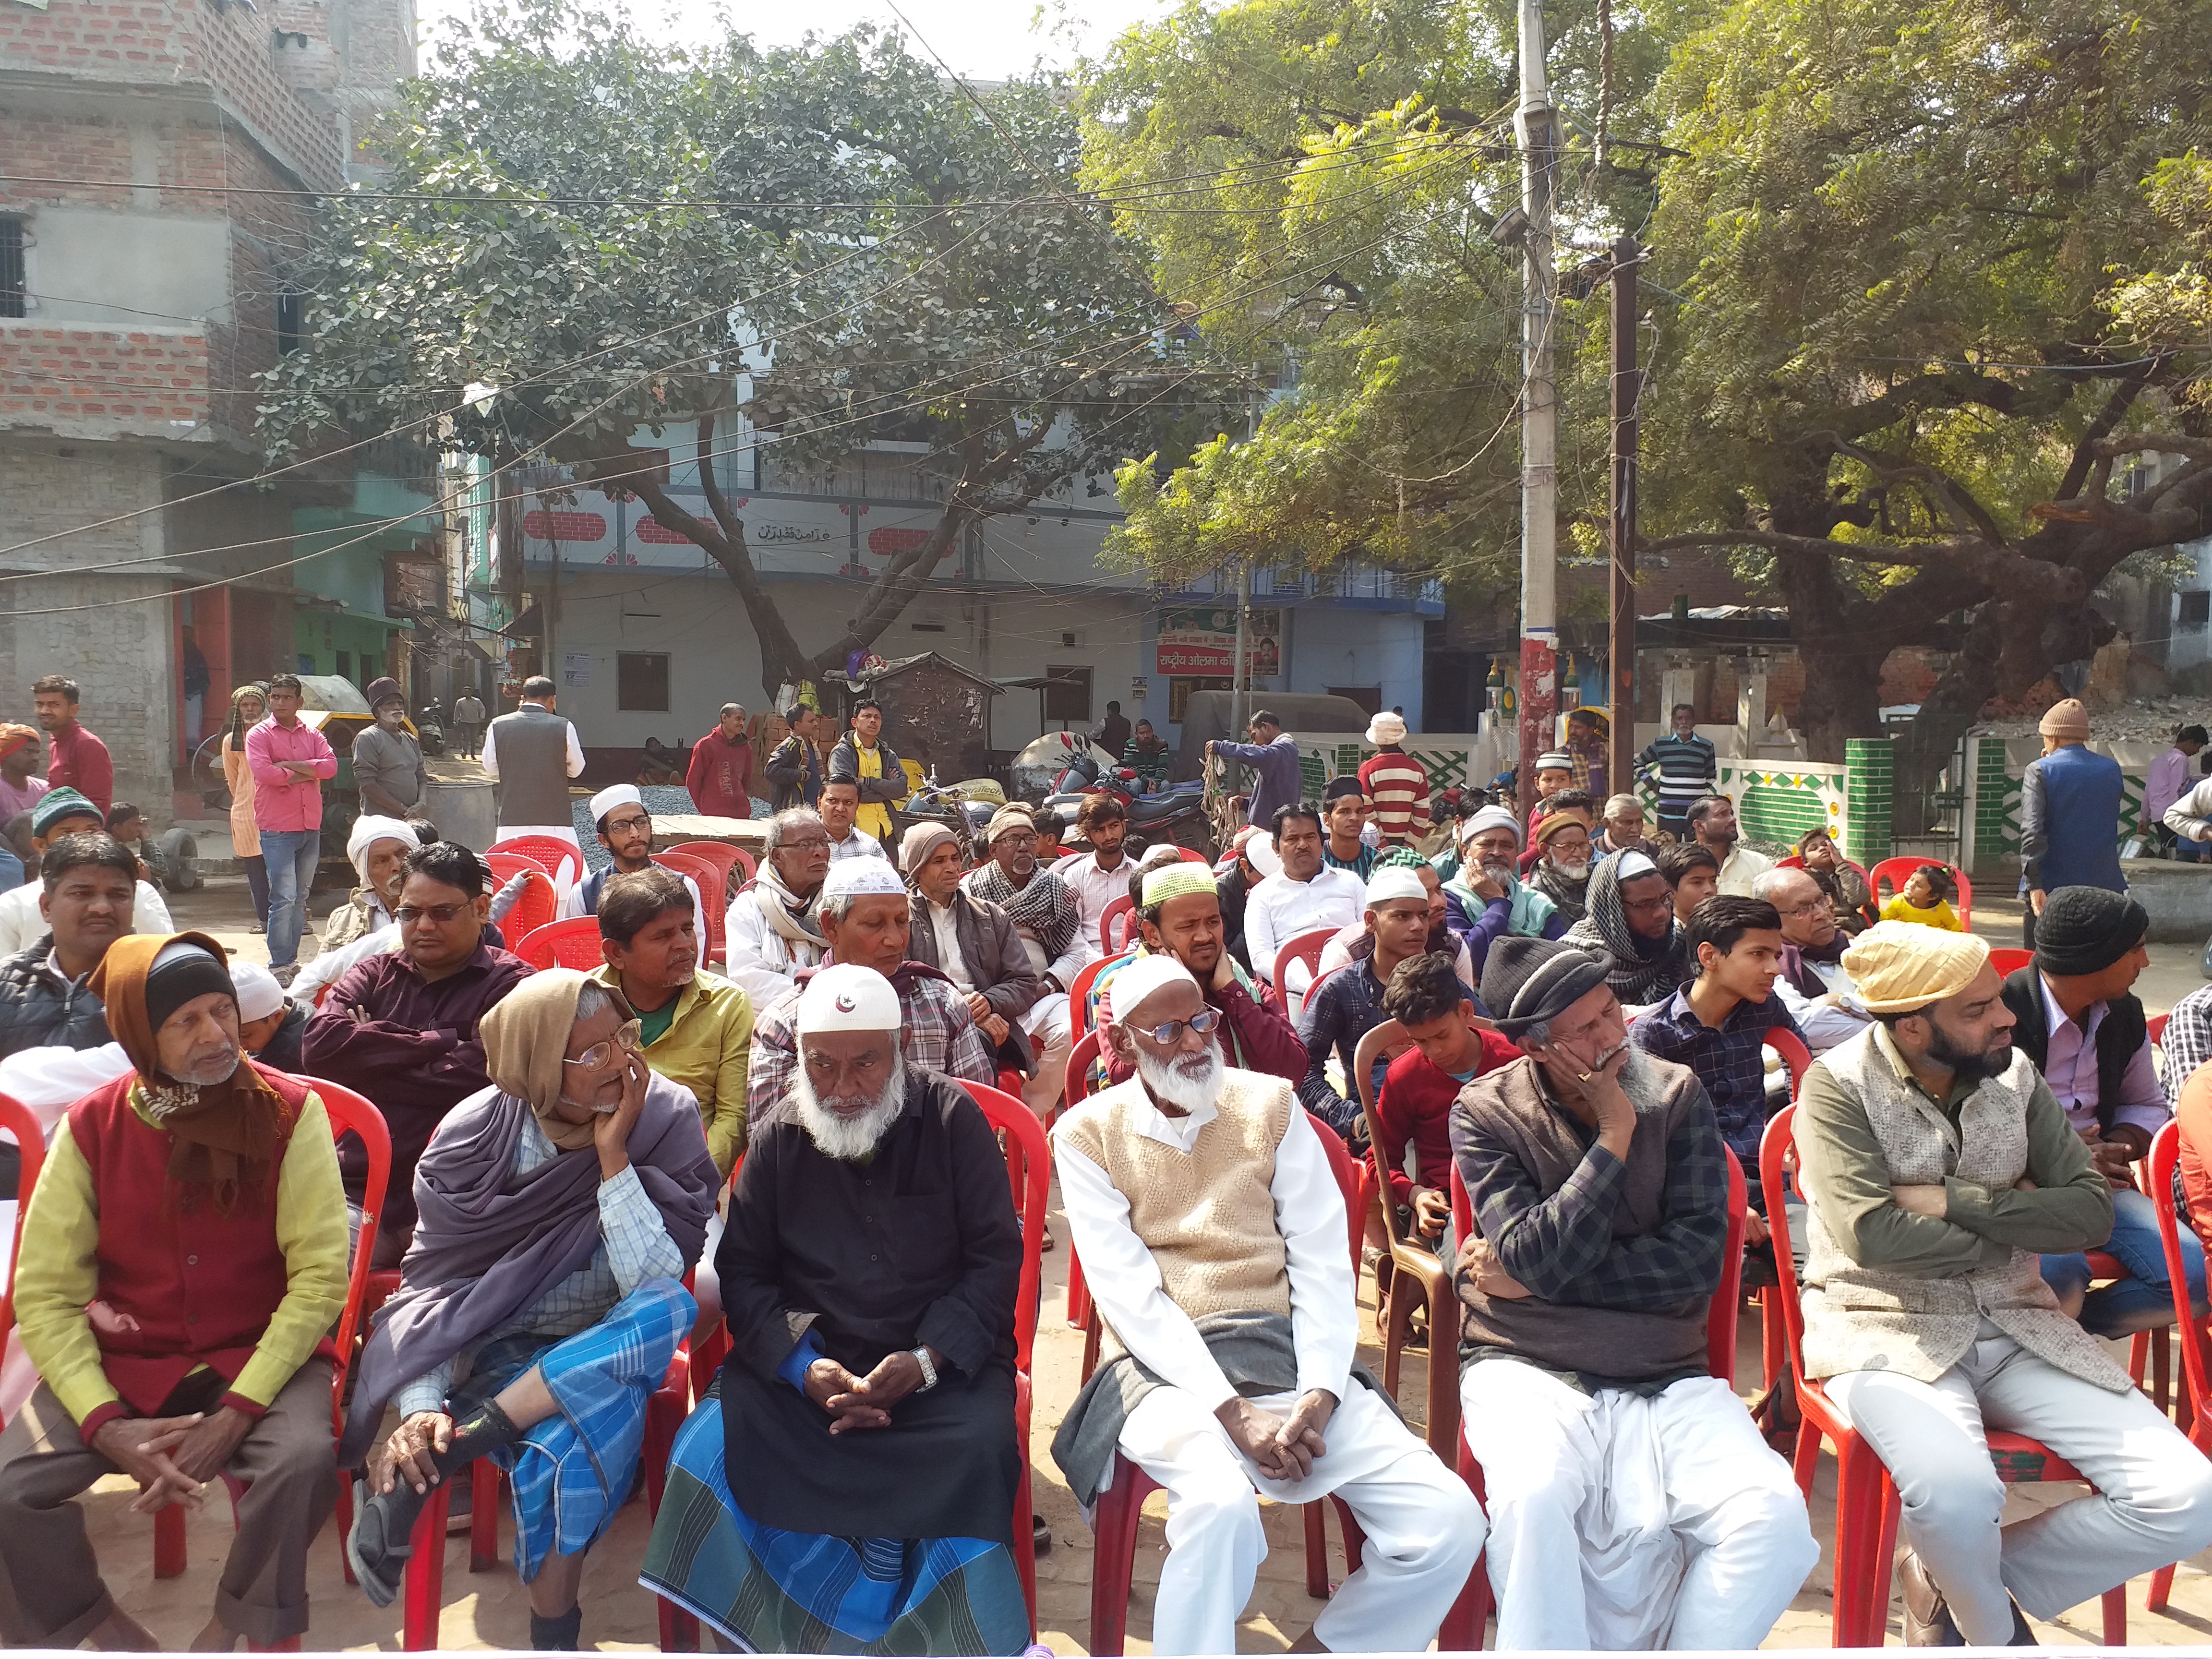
x,y
1689,1528
2153,1504
1424,1528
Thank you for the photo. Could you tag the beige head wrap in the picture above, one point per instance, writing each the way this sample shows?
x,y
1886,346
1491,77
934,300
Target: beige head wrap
x,y
525,1039
2068,721
921,841
1899,966
1013,816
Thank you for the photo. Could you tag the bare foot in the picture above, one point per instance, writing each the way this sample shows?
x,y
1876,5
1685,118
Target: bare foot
x,y
120,1633
215,1637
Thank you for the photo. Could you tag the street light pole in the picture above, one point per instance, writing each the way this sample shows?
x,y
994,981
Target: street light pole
x,y
1534,123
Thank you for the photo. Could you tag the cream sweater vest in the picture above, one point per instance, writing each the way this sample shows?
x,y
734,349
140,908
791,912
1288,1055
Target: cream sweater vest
x,y
1207,1216
1859,1319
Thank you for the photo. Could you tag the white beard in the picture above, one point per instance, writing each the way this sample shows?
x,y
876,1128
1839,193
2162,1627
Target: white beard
x,y
1640,1080
1574,872
849,1139
1191,1081
1501,874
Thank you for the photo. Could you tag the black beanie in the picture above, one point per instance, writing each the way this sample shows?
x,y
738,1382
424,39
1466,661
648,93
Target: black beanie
x,y
180,972
1529,980
2085,930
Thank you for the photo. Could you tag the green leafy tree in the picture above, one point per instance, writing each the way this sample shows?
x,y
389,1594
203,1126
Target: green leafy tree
x,y
834,242
1902,377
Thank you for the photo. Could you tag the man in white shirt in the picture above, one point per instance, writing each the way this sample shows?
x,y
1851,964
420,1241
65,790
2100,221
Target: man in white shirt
x,y
1712,821
839,806
1302,896
1812,985
1100,876
1212,1231
65,812
530,755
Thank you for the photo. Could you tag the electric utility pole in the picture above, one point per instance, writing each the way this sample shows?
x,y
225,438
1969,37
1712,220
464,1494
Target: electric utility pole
x,y
1534,123
1627,387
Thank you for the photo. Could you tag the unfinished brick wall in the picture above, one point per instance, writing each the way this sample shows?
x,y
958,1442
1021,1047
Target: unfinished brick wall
x,y
103,382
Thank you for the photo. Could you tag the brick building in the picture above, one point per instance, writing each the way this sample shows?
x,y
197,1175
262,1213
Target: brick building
x,y
161,158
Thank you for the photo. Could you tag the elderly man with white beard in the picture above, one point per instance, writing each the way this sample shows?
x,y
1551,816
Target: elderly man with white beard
x,y
868,1274
1599,1183
1212,1232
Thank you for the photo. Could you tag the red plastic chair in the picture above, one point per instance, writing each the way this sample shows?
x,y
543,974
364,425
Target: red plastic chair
x,y
1795,1055
2195,1417
1080,1060
1079,995
571,943
2158,1029
2008,960
1463,1624
1113,1523
559,860
735,863
21,1121
1306,948
1866,1498
539,903
1419,1278
1117,928
1192,855
1898,872
707,878
348,1112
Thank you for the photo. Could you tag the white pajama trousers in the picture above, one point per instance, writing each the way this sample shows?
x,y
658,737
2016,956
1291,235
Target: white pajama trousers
x,y
1688,1529
1051,1041
2153,1504
1424,1528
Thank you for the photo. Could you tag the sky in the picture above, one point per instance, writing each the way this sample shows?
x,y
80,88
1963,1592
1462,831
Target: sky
x,y
982,39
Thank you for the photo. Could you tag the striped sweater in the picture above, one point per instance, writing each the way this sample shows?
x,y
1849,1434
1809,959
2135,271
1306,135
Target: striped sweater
x,y
1398,786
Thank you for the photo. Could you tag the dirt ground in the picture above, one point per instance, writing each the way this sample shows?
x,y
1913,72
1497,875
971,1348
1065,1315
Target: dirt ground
x,y
489,1610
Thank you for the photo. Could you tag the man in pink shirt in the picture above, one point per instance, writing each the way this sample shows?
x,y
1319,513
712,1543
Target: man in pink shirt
x,y
288,760
720,778
75,758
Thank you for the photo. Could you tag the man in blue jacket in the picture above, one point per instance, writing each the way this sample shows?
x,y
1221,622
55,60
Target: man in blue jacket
x,y
2070,815
1273,758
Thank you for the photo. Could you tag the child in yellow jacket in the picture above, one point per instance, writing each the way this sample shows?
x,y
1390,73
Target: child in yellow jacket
x,y
1925,899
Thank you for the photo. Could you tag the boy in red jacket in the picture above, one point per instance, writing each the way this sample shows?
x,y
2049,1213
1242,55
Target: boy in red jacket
x,y
1450,1049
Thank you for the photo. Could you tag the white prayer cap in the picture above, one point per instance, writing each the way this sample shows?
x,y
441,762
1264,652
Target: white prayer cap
x,y
614,795
1260,853
1491,817
1126,991
259,995
368,829
847,997
1388,886
1633,864
861,877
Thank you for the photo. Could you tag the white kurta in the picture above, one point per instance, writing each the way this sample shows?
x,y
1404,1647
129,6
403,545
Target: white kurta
x,y
1690,1530
1423,1529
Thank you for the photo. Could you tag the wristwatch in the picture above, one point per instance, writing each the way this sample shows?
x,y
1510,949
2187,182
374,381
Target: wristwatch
x,y
928,1371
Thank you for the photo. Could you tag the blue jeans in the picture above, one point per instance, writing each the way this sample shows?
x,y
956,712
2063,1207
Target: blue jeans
x,y
290,856
2144,1301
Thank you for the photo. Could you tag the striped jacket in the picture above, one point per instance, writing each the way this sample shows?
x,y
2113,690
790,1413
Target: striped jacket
x,y
1398,785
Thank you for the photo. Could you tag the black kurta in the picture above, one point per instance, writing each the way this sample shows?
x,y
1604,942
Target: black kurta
x,y
920,1245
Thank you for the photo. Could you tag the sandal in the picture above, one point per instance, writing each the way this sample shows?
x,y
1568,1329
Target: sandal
x,y
379,1563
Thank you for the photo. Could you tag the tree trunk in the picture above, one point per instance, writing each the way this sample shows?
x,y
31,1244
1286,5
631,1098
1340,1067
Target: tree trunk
x,y
1968,682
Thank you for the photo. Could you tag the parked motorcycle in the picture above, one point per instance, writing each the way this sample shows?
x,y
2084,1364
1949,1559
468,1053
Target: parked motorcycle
x,y
964,808
1176,814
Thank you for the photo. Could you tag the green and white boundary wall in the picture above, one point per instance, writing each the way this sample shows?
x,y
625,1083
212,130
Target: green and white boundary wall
x,y
1993,768
1777,801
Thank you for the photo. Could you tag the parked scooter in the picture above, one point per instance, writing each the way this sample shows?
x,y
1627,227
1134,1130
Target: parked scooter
x,y
1176,814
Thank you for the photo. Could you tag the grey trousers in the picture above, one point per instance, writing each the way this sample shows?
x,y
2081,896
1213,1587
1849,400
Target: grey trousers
x,y
2153,1504
51,1592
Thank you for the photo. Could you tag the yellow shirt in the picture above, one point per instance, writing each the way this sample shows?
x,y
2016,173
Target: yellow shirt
x,y
1938,915
57,1271
707,1049
873,816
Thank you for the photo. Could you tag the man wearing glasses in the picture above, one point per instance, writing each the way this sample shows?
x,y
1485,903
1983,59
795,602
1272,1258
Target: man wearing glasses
x,y
1814,986
401,1026
625,829
1212,1231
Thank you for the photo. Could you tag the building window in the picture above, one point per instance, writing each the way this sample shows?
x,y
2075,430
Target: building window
x,y
2195,609
1066,694
642,680
13,286
291,320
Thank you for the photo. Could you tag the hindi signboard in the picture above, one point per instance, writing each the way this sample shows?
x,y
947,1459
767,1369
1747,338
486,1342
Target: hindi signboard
x,y
1202,640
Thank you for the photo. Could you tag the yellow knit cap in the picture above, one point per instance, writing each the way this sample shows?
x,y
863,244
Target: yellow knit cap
x,y
1899,966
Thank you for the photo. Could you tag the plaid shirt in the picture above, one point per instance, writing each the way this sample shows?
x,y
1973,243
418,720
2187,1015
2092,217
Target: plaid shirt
x,y
2188,1043
1562,1246
1726,1060
938,1036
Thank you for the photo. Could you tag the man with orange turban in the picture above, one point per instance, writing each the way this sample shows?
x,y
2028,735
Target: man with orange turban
x,y
183,1259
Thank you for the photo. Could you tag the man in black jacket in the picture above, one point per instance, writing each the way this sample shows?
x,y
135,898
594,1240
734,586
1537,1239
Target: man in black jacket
x,y
2077,1019
862,757
90,882
792,767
